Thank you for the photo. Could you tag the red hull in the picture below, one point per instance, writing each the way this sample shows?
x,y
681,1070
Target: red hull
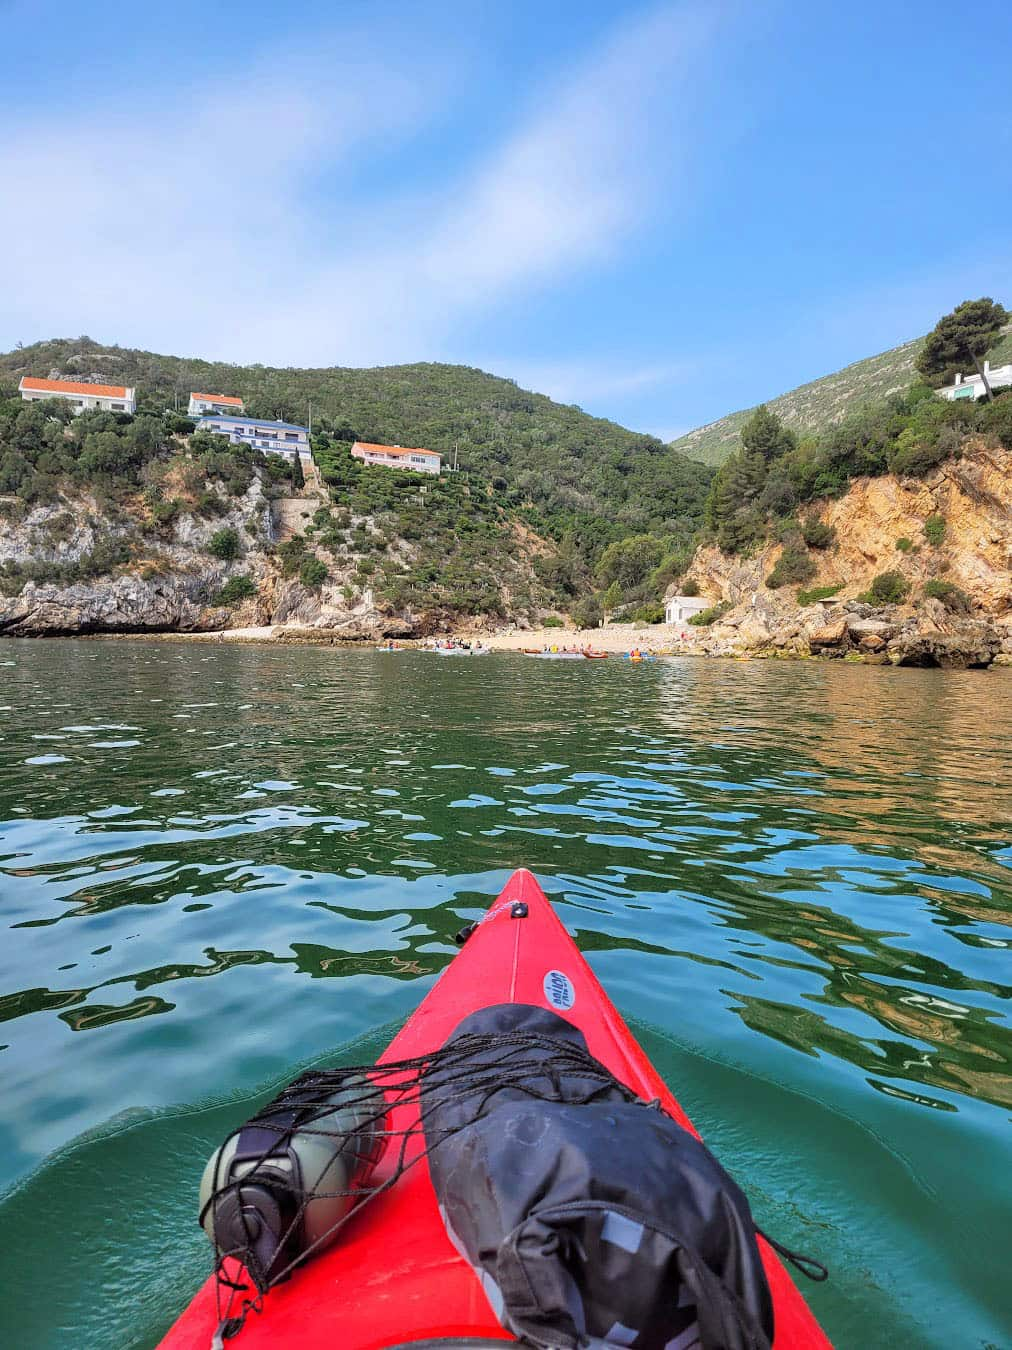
x,y
393,1277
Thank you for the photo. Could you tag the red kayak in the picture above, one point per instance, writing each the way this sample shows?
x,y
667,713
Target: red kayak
x,y
393,1279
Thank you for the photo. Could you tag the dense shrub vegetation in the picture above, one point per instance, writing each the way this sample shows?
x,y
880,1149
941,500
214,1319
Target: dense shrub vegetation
x,y
449,542
236,589
526,464
817,534
553,458
934,530
818,593
950,595
313,573
224,544
793,566
707,616
888,588
43,447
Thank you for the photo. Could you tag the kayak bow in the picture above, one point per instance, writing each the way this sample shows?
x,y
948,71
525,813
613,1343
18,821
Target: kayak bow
x,y
393,1279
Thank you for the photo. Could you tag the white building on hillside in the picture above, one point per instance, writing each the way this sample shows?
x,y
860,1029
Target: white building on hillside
x,y
679,609
83,397
972,386
213,403
274,438
397,457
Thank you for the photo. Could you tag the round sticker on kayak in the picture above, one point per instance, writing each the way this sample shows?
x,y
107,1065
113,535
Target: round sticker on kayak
x,y
559,990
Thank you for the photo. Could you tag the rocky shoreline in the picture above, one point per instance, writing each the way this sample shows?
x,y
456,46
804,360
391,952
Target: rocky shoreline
x,y
856,633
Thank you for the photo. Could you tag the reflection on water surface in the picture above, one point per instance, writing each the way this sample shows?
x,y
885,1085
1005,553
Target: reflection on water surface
x,y
218,865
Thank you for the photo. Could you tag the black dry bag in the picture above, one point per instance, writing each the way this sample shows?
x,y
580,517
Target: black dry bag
x,y
590,1217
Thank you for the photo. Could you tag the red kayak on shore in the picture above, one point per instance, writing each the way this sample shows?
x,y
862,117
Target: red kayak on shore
x,y
393,1279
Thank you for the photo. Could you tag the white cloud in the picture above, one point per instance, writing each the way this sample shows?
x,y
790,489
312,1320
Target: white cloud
x,y
198,224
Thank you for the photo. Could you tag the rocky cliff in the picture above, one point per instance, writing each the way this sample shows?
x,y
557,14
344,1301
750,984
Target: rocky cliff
x,y
81,565
949,533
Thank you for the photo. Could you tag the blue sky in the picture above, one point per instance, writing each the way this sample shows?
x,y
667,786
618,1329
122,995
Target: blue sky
x,y
662,212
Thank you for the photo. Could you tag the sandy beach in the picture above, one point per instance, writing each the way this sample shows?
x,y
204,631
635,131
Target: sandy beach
x,y
619,637
615,637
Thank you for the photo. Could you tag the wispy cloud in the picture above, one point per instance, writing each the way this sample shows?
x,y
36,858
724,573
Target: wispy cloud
x,y
198,226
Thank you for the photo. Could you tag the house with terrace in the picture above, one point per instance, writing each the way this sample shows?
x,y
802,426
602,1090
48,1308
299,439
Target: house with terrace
x,y
397,457
83,397
200,404
274,438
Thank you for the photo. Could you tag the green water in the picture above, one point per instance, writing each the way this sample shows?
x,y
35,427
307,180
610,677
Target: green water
x,y
218,864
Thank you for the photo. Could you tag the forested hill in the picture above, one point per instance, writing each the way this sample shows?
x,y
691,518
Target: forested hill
x,y
576,471
820,404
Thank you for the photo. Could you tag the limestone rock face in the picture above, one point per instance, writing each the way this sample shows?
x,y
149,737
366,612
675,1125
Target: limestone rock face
x,y
974,646
866,628
122,605
173,580
972,495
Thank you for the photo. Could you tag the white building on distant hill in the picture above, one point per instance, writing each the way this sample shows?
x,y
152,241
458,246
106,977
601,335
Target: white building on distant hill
x,y
397,457
213,403
274,438
972,386
679,609
84,397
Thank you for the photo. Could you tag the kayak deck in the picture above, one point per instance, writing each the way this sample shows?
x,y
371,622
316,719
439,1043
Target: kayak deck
x,y
393,1278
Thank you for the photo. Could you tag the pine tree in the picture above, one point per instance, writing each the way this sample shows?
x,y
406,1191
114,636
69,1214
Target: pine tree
x,y
612,598
960,339
731,510
764,434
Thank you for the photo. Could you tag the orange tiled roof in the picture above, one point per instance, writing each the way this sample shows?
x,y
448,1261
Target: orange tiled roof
x,y
393,449
30,383
220,398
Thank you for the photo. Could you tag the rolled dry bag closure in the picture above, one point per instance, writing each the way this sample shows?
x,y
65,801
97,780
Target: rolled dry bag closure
x,y
277,1189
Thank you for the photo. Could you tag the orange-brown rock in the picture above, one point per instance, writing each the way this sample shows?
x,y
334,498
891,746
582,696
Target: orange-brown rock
x,y
829,635
973,495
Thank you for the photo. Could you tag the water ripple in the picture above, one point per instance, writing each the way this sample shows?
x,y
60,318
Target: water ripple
x,y
231,862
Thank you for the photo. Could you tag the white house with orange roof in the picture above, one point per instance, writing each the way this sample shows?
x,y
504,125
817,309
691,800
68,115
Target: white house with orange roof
x,y
84,397
214,403
397,457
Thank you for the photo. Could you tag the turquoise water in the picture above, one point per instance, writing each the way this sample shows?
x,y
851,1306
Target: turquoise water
x,y
219,864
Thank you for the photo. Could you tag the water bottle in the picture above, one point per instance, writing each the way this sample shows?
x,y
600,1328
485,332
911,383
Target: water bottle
x,y
274,1192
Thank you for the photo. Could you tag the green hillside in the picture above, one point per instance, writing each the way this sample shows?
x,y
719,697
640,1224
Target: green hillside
x,y
822,403
544,492
572,470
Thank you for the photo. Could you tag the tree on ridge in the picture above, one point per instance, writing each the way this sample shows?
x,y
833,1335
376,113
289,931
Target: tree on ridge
x,y
962,337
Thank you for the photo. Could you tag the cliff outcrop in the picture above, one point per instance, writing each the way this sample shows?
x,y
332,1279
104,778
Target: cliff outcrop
x,y
62,574
948,536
